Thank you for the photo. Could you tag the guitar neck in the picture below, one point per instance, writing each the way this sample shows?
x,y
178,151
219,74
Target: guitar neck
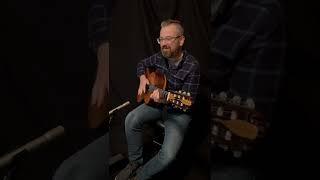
x,y
179,99
163,93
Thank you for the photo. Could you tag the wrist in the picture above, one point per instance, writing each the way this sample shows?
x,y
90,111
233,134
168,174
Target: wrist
x,y
142,77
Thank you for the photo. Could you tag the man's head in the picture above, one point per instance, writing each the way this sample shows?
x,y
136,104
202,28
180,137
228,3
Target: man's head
x,y
171,39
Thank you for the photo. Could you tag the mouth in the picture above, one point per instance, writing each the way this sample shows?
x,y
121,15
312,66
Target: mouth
x,y
165,49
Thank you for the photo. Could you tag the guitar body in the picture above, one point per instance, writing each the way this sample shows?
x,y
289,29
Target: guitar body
x,y
178,99
156,79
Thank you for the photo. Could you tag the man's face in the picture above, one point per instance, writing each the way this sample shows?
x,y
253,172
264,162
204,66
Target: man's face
x,y
171,41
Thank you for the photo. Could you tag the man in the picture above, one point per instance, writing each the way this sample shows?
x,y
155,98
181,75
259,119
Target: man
x,y
90,146
183,73
248,50
247,54
99,20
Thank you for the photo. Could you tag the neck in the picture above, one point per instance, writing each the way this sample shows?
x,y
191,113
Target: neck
x,y
178,57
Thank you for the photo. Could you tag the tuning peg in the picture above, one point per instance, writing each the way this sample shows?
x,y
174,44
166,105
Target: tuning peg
x,y
188,94
222,96
228,136
233,115
179,91
184,93
220,111
236,100
237,154
214,130
250,103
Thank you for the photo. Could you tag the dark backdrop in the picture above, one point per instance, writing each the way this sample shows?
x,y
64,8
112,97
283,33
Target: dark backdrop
x,y
46,77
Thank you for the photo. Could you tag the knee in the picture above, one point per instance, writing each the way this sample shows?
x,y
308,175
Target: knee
x,y
131,120
166,157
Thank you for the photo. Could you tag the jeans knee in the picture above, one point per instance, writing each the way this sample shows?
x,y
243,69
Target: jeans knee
x,y
131,121
166,157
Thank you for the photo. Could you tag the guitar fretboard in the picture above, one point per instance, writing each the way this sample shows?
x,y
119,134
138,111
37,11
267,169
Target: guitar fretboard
x,y
163,93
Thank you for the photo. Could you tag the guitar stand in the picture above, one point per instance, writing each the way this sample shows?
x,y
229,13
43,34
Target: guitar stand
x,y
118,157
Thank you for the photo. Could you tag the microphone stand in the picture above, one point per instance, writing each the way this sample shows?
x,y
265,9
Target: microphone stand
x,y
11,161
118,157
115,110
16,161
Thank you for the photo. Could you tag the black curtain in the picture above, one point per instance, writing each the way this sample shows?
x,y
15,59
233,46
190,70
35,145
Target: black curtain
x,y
136,25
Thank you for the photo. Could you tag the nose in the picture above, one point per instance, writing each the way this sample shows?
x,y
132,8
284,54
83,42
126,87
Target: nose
x,y
163,42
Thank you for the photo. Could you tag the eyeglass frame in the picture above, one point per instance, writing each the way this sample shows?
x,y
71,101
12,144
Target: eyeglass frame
x,y
169,38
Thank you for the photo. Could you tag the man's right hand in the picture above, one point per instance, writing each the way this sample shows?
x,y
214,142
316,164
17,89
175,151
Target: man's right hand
x,y
143,82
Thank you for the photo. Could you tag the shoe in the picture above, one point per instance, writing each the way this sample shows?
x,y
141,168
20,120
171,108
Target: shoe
x,y
128,171
135,177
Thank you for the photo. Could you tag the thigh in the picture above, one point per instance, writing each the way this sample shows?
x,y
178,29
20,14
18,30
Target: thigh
x,y
177,124
143,114
175,128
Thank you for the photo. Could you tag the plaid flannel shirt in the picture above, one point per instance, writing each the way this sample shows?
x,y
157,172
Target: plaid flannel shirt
x,y
248,50
185,76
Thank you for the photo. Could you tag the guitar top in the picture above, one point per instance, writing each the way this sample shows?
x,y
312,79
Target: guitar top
x,y
177,99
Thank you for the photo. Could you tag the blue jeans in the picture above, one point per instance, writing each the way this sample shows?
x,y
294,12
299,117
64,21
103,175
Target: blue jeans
x,y
176,126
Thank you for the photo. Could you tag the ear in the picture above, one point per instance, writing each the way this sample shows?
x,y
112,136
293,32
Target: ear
x,y
181,42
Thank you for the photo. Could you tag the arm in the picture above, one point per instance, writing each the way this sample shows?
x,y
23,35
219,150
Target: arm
x,y
141,68
99,18
246,27
145,63
101,84
192,82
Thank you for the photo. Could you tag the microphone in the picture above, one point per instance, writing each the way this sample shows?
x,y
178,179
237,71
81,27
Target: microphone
x,y
116,109
32,146
119,107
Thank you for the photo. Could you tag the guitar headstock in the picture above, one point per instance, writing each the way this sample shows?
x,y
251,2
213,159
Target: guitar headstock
x,y
180,99
234,101
235,122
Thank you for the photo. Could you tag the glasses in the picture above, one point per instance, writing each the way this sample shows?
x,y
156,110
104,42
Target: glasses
x,y
167,39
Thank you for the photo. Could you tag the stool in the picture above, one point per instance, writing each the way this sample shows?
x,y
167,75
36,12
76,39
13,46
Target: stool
x,y
158,139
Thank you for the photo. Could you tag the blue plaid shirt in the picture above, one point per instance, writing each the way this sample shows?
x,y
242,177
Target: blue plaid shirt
x,y
99,20
185,76
248,51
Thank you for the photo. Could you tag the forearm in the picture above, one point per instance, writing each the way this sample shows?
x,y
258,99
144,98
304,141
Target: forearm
x,y
103,65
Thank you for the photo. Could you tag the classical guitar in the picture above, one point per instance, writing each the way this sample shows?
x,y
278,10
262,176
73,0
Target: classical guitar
x,y
178,99
235,123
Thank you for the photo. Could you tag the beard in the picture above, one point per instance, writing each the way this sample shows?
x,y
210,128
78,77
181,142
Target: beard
x,y
167,52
